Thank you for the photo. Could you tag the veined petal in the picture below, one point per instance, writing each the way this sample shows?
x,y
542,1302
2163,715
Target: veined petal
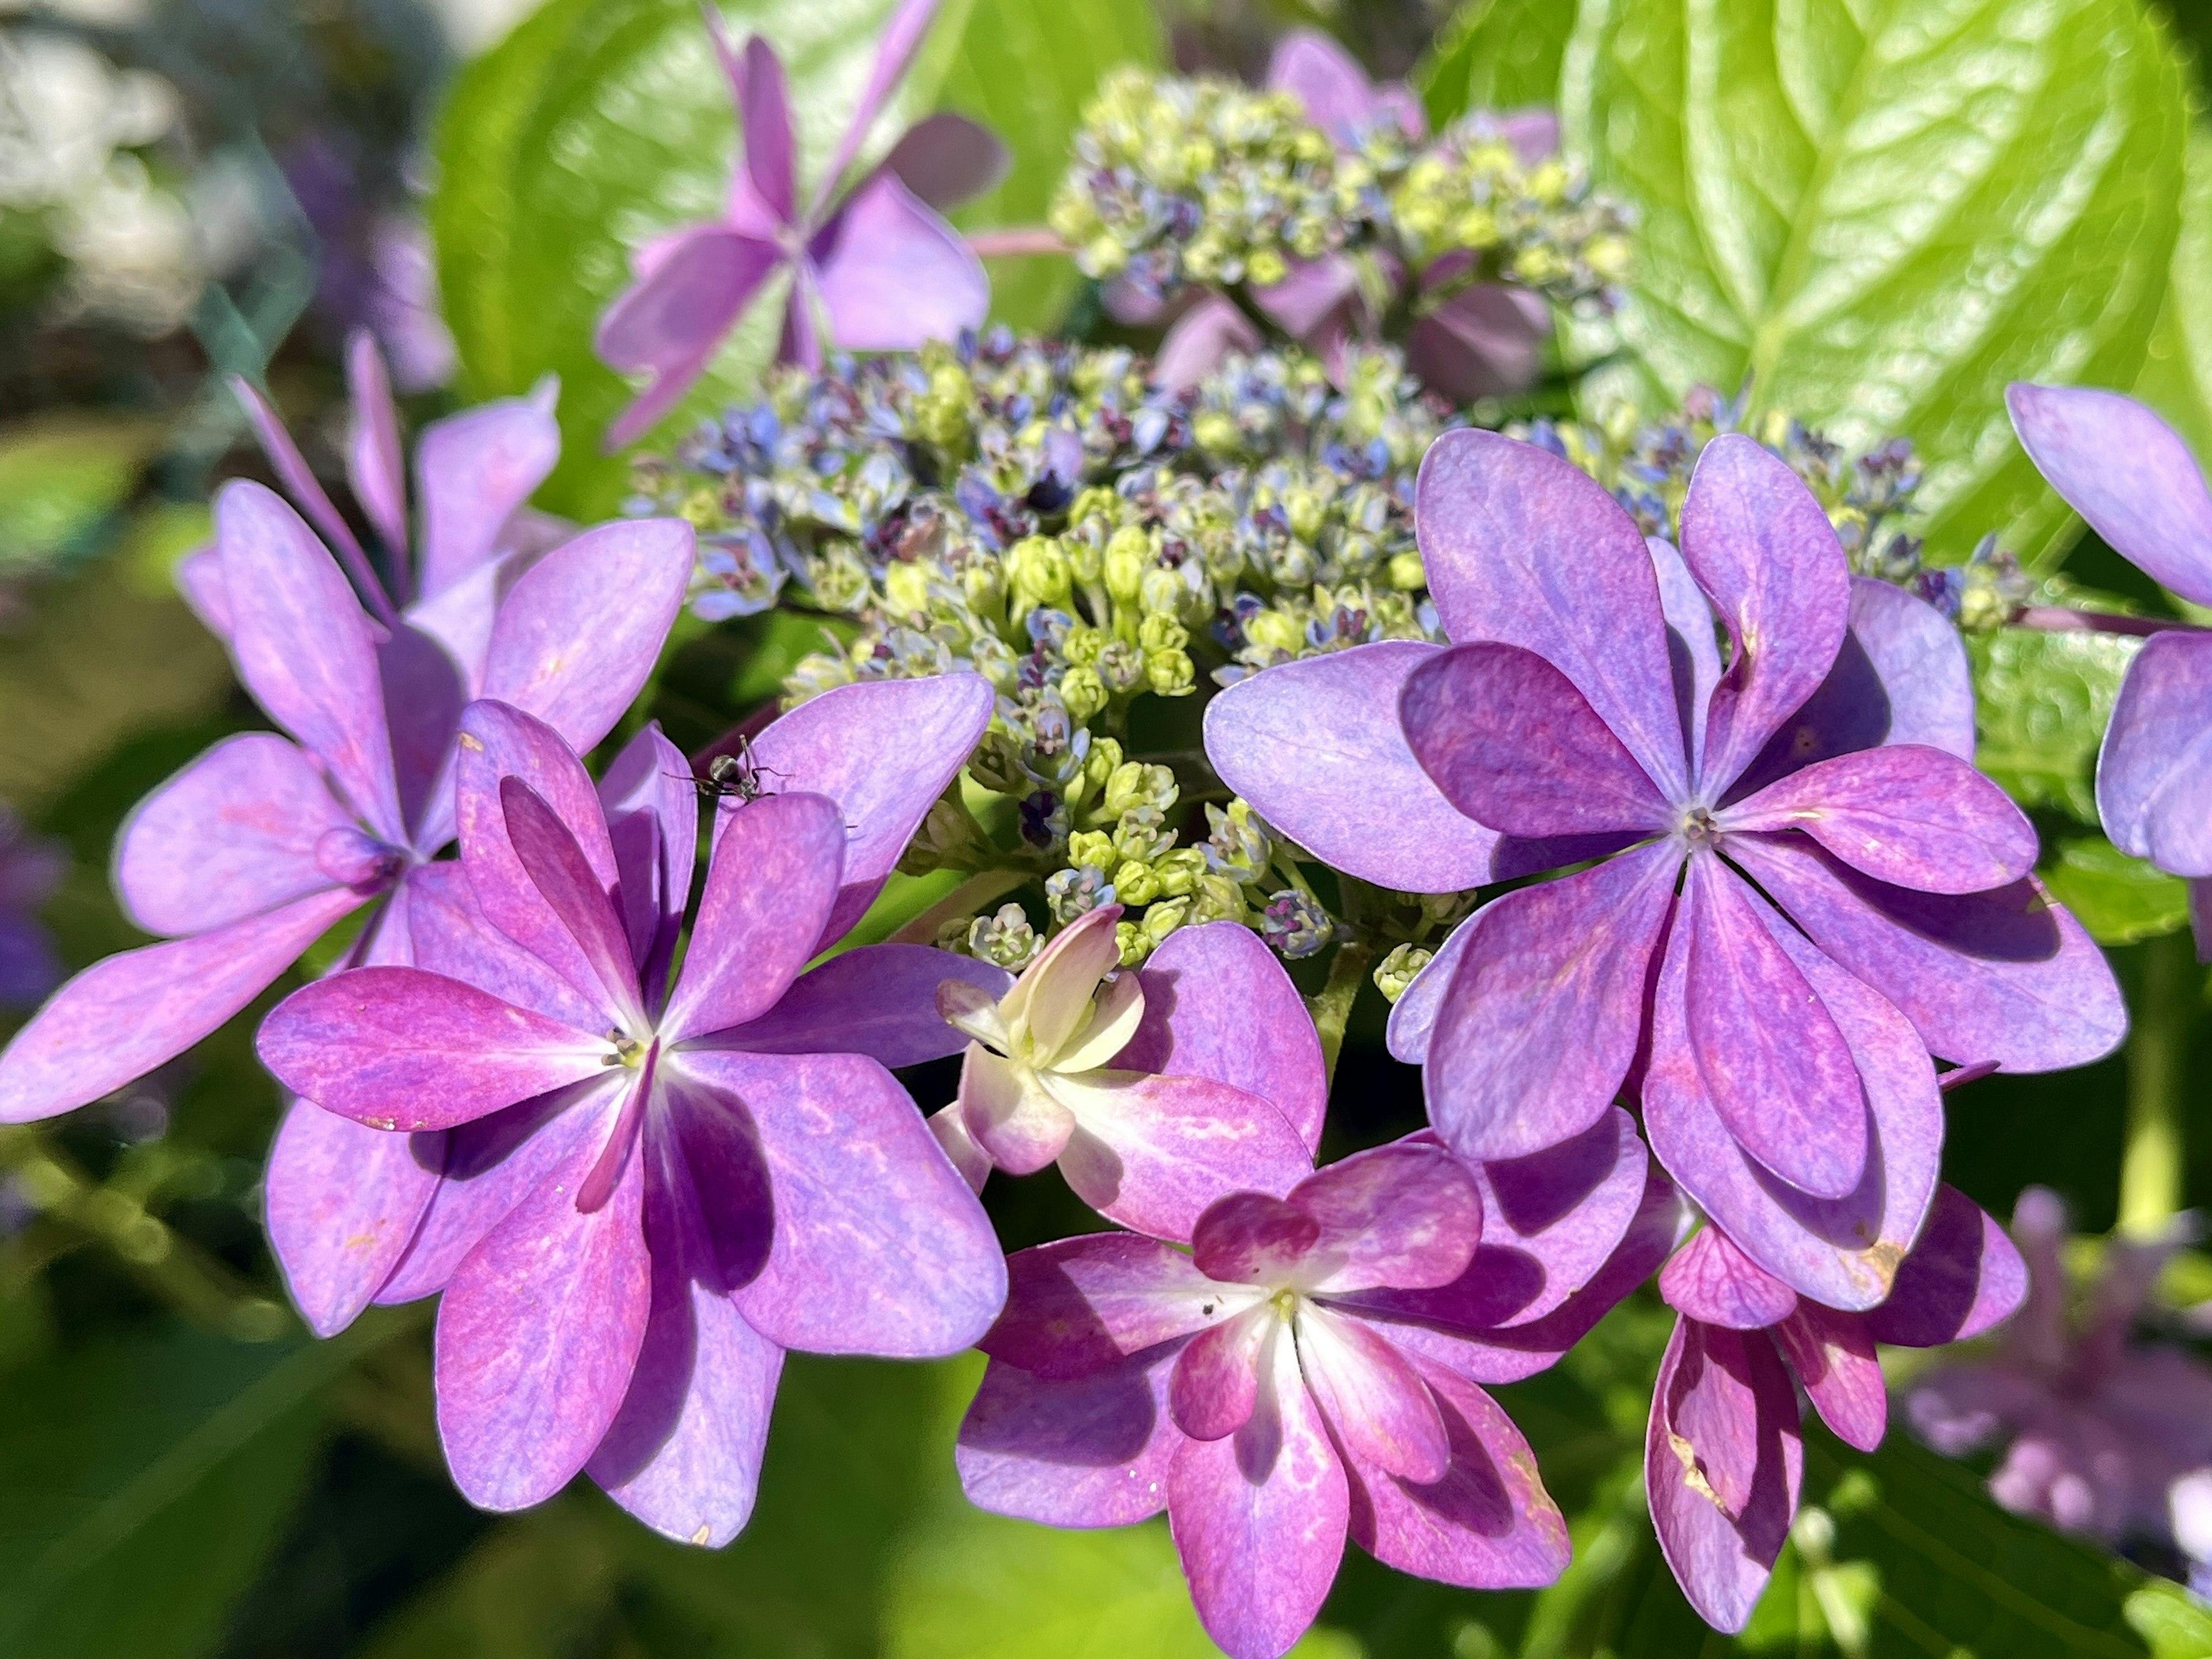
x,y
1711,1281
1487,1524
124,1015
1832,1355
672,319
375,465
1085,1451
895,45
1007,1112
1542,1021
1551,1220
232,835
1375,1400
1910,816
1722,1463
880,1247
1761,546
771,882
564,878
449,934
1486,341
1692,639
764,106
2128,473
1259,1517
1525,549
1079,1305
1207,989
342,1203
834,745
1216,1381
1252,1238
652,809
2006,976
2154,769
473,470
299,480
1774,1067
949,1125
539,1337
892,274
1317,748
1327,80
879,1000
1152,1152
1414,1016
303,648
1963,1276
425,688
1512,744
1407,1215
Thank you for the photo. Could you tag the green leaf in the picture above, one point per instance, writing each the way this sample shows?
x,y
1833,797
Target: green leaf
x,y
146,1477
2120,900
62,481
1882,212
2176,375
596,125
2175,1623
1495,54
1025,69
535,1588
2042,702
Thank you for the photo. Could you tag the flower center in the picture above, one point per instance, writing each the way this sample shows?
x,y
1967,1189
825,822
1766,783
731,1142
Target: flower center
x,y
1698,828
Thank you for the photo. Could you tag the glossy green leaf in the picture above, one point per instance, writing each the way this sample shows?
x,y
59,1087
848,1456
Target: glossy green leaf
x,y
2042,702
2177,376
1025,69
2119,899
1883,212
1495,54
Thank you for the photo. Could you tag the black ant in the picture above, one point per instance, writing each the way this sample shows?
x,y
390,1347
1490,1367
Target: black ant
x,y
737,775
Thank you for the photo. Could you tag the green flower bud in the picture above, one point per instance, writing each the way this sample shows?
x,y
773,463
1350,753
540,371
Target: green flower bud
x,y
1143,833
1160,633
953,935
1037,572
1275,631
1092,847
942,415
1163,919
1121,667
1084,693
1128,555
1218,899
1170,673
1086,559
1081,648
1135,882
1134,785
839,577
1132,943
1105,754
1180,870
906,586
985,584
1406,574
1395,971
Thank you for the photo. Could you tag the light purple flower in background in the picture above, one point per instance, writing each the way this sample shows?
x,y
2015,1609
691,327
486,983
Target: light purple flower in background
x,y
672,1179
1484,341
1312,1370
1723,1456
1152,1090
2097,1427
257,847
876,264
1854,896
31,868
2133,478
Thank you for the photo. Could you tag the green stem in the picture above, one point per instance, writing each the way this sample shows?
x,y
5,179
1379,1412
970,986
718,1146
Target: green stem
x,y
1331,1008
2158,1045
971,895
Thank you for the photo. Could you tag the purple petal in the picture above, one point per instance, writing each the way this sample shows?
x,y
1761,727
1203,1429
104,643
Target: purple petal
x,y
342,1201
375,466
1321,74
1512,744
199,580
458,621
764,106
1006,1113
564,878
2006,975
1199,340
1486,341
303,648
538,1335
400,1048
770,887
879,1000
578,635
880,1247
1842,1251
1525,549
1086,1451
1551,1220
1302,301
834,745
232,835
1405,1215
451,935
1079,1305
473,472
1375,1400
1774,1067
1317,748
1913,816
1713,1283
2155,770
1251,1238
1762,547
1542,1021
895,45
1216,1382
945,158
1414,1016
652,808
1260,1518
1722,1463
306,490
425,688
2128,473
1487,1524
1151,1152
1833,1357
893,275
1964,1275
672,319
124,1015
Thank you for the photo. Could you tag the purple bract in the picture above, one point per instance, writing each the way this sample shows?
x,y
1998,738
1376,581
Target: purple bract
x,y
30,870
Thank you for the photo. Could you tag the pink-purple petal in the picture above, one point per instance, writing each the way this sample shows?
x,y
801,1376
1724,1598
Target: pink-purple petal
x,y
1085,1451
473,472
1550,1220
564,878
652,808
376,466
2154,769
1713,1283
879,1000
1541,1020
1077,1305
342,1203
1152,1152
1212,329
1486,341
305,489
670,322
1316,747
1407,1215
1963,1275
1327,80
1832,1355
764,105
944,158
1373,1399
1216,1381
895,45
1252,1238
893,275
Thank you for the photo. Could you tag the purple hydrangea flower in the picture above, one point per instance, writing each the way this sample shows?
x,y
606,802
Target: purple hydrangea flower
x,y
252,851
31,868
2099,1428
1147,1089
1723,1457
2133,478
657,1184
1853,897
883,270
1313,1369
